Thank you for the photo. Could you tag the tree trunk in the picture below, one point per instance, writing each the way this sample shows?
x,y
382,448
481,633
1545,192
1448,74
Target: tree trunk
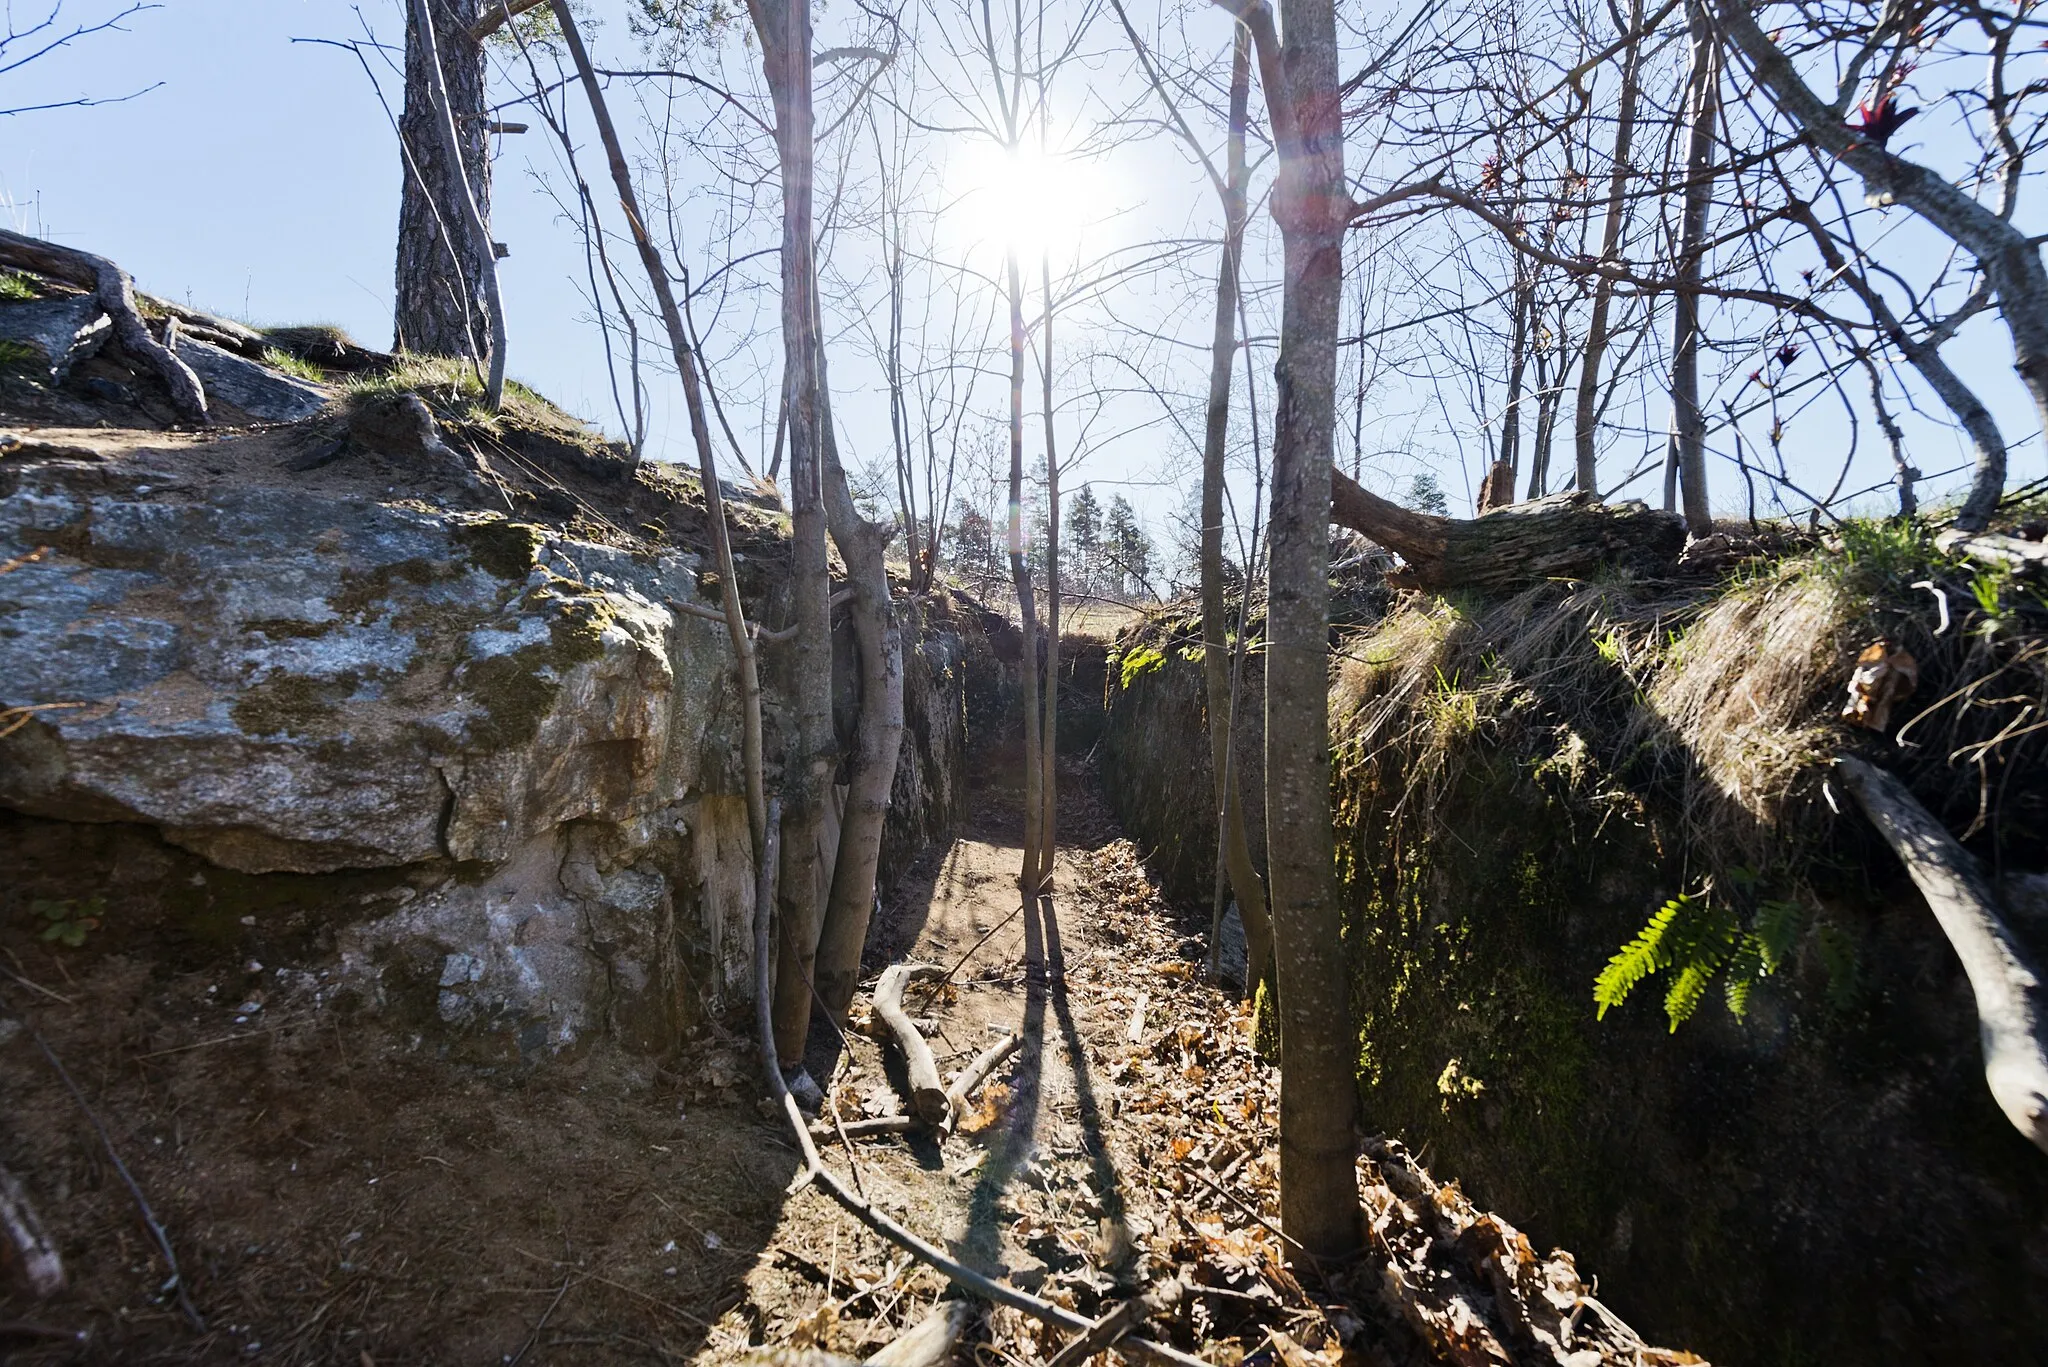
x,y
1020,575
1686,458
439,308
784,28
1518,359
1234,852
464,208
1586,427
879,635
1048,737
1319,1088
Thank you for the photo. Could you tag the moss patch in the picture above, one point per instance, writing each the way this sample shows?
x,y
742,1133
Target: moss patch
x,y
504,548
291,704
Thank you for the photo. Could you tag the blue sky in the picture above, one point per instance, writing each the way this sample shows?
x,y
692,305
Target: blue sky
x,y
260,180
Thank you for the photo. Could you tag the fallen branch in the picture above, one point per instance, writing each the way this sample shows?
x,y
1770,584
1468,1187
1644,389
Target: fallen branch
x,y
928,1098
931,1341
28,1254
962,1086
1112,1328
2012,1003
115,293
815,1171
1993,549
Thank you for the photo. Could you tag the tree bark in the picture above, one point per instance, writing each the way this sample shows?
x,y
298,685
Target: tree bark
x,y
784,28
439,307
1586,424
115,293
1686,459
1234,853
1562,536
465,207
2012,1000
1319,1089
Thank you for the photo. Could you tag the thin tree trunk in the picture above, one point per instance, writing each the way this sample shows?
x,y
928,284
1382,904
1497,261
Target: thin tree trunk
x,y
1319,1090
1518,359
700,431
1586,428
1020,575
1048,787
879,635
784,28
1686,457
439,308
1234,857
468,209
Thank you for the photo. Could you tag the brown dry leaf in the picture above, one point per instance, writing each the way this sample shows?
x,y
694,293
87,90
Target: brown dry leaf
x,y
994,1097
1884,676
1181,1148
815,1329
1178,968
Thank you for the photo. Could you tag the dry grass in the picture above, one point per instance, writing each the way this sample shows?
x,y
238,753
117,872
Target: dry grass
x,y
1721,698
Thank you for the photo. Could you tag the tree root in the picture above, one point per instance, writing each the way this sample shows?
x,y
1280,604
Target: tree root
x,y
115,293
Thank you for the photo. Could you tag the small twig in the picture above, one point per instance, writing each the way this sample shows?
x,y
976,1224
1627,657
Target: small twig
x,y
156,1229
939,985
202,1044
1251,1210
33,985
541,1324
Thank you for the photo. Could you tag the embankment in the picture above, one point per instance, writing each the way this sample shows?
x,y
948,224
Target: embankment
x,y
1522,784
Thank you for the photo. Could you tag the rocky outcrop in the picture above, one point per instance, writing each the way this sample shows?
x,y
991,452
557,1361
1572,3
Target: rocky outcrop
x,y
521,737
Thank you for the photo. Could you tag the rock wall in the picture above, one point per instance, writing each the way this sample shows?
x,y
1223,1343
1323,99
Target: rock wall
x,y
1824,1181
478,772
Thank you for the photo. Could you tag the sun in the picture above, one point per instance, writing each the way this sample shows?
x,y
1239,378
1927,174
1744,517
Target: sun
x,y
1026,199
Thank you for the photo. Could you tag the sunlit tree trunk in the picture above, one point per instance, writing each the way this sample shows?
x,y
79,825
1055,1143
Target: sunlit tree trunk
x,y
1020,576
784,28
1319,1091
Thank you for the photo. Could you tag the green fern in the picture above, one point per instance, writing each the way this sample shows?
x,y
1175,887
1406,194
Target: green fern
x,y
1637,959
1777,929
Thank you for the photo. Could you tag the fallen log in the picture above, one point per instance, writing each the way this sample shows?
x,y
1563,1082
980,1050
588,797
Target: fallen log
x,y
928,1099
1564,536
116,294
26,1252
2012,1002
